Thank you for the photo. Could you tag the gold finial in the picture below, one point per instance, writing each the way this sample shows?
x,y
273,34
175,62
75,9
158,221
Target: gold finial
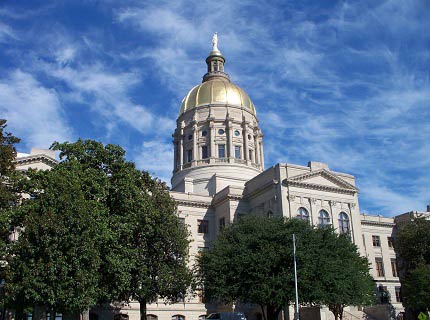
x,y
215,42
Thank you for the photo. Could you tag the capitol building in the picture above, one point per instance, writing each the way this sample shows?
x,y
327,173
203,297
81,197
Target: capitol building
x,y
219,174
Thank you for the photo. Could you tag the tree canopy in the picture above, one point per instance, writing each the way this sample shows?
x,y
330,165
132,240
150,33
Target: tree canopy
x,y
96,229
252,262
413,246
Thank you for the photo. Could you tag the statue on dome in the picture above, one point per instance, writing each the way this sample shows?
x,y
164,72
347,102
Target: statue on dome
x,y
215,42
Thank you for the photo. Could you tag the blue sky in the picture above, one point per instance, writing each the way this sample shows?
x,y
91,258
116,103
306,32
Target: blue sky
x,y
347,82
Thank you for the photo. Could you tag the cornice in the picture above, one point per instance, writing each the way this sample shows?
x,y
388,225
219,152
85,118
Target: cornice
x,y
35,159
226,198
319,187
378,223
190,203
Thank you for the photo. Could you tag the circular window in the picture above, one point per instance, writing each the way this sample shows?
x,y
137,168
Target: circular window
x,y
190,137
237,133
204,133
221,131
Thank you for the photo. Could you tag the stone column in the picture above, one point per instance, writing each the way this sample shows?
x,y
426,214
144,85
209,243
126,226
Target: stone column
x,y
333,204
256,150
230,154
181,146
212,151
262,153
195,137
245,142
313,214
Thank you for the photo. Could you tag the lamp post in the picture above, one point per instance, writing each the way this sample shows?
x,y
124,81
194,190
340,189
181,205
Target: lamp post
x,y
296,312
3,309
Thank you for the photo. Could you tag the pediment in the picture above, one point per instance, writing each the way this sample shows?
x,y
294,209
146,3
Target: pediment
x,y
322,179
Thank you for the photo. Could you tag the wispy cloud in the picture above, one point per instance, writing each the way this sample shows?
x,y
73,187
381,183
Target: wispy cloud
x,y
34,112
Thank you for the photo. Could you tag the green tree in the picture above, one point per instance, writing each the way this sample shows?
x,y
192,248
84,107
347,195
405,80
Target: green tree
x,y
343,275
96,230
56,261
145,256
413,245
252,262
8,192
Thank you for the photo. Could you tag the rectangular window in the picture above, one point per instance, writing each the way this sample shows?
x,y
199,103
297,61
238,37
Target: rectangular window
x,y
190,155
398,296
379,267
205,152
203,226
250,155
376,241
221,223
221,151
237,152
394,267
390,241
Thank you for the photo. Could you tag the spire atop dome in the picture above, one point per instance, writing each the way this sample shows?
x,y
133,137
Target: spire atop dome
x,y
215,62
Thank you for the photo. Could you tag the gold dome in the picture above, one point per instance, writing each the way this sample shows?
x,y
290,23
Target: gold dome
x,y
217,91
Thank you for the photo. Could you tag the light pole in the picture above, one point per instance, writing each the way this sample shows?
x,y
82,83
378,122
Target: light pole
x,y
296,312
3,309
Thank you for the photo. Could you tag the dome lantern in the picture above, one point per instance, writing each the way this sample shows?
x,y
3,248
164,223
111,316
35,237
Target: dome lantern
x,y
215,62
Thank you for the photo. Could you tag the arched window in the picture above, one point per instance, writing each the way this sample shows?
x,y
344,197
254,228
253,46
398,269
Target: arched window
x,y
323,218
303,214
343,223
151,317
178,317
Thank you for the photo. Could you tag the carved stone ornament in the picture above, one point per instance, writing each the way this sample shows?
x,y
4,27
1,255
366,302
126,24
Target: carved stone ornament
x,y
291,197
333,203
313,200
352,204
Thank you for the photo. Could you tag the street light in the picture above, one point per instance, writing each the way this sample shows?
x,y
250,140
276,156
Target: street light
x,y
3,309
296,313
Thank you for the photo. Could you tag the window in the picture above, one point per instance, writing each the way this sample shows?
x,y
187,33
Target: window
x,y
250,154
323,218
203,226
343,223
398,296
221,223
379,267
390,241
394,267
376,241
190,137
204,133
178,317
221,131
190,155
221,151
237,133
237,152
303,214
204,152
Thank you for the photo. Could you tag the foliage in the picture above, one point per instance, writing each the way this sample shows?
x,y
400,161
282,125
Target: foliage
x,y
252,261
56,261
96,230
416,289
8,191
413,245
343,275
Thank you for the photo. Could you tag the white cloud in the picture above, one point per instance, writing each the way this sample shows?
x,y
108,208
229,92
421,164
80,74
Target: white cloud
x,y
33,111
156,157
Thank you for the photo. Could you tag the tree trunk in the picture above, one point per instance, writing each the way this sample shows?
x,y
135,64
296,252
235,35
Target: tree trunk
x,y
85,315
39,313
262,311
272,312
142,303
